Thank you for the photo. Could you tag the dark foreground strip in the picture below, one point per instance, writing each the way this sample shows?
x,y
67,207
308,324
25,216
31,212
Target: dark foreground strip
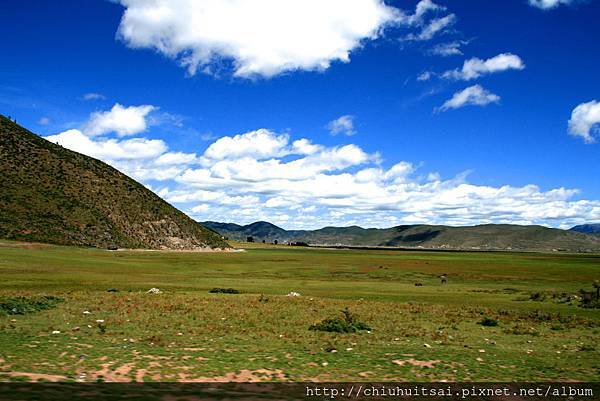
x,y
299,391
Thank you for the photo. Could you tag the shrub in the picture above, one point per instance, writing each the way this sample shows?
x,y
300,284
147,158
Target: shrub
x,y
589,300
488,322
346,324
23,305
224,291
538,296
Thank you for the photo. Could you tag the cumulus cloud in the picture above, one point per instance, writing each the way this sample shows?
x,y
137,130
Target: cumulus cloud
x,y
263,38
300,184
345,185
176,158
342,125
474,95
258,144
476,67
584,121
141,158
109,149
549,4
121,120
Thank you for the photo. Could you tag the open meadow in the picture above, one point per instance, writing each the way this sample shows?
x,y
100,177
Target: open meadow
x,y
499,316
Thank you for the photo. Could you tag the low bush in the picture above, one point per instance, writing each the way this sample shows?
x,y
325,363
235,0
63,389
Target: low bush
x,y
589,299
346,324
538,296
488,322
224,291
24,305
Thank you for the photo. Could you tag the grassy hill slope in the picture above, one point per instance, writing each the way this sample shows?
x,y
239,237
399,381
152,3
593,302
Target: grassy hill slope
x,y
51,194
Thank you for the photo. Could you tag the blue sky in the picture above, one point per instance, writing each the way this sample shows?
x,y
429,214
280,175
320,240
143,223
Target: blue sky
x,y
503,130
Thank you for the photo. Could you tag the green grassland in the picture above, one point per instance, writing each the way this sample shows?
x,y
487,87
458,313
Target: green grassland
x,y
422,333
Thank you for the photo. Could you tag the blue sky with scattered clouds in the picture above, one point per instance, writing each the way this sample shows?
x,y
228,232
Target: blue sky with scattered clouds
x,y
312,113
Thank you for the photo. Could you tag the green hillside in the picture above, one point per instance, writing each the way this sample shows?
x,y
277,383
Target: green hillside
x,y
51,194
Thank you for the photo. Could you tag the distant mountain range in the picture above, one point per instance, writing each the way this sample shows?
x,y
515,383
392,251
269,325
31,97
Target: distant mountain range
x,y
588,228
482,237
51,194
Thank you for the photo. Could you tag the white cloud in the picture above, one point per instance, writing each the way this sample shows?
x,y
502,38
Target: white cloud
x,y
94,96
434,27
422,8
447,49
347,186
110,149
584,120
476,67
121,120
342,125
261,38
259,144
427,29
472,96
176,158
203,208
44,121
300,184
425,76
141,158
305,147
548,4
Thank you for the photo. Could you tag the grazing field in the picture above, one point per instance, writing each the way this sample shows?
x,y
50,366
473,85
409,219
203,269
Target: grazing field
x,y
499,316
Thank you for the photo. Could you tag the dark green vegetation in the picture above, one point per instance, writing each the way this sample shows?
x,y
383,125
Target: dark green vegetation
x,y
217,290
587,228
483,237
51,194
346,324
430,332
23,305
489,322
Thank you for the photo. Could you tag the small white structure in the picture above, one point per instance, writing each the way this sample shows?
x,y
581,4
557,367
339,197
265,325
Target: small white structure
x,y
154,290
294,294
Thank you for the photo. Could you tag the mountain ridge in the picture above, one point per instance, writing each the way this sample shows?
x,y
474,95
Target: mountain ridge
x,y
482,237
54,195
592,228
